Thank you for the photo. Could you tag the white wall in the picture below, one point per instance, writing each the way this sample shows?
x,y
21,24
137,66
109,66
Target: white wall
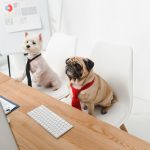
x,y
55,9
118,21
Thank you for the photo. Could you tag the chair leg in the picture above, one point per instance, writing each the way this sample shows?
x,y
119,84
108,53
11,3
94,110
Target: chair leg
x,y
8,62
123,127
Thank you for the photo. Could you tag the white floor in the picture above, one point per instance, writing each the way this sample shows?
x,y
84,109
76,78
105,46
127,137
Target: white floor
x,y
138,123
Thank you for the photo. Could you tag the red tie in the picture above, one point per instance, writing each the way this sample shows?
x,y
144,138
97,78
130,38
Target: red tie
x,y
76,92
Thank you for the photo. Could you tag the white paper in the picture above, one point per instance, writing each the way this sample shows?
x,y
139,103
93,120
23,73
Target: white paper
x,y
7,106
67,100
62,92
21,15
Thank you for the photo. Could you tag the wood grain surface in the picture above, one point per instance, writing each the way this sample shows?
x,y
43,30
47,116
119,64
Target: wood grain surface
x,y
88,132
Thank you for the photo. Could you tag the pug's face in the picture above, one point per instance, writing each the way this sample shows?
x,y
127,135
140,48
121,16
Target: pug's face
x,y
78,67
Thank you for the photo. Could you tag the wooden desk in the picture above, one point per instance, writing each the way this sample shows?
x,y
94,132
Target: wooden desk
x,y
88,132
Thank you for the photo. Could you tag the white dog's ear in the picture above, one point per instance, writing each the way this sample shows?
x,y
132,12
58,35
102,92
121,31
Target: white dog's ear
x,y
40,37
26,34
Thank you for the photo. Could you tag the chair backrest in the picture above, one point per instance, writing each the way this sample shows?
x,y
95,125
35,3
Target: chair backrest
x,y
60,47
114,64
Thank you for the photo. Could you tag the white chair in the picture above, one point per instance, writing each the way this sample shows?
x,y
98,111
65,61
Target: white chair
x,y
114,64
60,47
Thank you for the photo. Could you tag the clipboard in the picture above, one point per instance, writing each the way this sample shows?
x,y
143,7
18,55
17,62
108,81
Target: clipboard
x,y
8,105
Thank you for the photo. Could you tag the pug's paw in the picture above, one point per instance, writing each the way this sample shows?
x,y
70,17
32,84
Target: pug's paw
x,y
104,110
85,107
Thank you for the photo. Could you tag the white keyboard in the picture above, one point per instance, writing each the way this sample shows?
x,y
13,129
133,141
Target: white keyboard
x,y
53,123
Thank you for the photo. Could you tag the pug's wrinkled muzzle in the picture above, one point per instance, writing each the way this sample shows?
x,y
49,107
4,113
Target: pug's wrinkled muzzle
x,y
72,72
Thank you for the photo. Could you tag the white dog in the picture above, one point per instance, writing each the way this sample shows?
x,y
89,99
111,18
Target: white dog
x,y
43,75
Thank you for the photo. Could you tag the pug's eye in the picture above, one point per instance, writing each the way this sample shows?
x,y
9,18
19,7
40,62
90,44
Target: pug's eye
x,y
33,43
27,41
78,66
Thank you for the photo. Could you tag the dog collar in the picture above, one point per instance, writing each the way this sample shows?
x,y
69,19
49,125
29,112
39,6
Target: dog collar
x,y
75,100
34,57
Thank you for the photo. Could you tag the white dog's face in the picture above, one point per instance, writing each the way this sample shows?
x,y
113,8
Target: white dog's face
x,y
33,45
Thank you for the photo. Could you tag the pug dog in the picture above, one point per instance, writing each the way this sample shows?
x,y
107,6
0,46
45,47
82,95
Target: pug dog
x,y
80,72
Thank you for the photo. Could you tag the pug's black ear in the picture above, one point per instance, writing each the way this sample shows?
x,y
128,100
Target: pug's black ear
x,y
67,60
89,64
